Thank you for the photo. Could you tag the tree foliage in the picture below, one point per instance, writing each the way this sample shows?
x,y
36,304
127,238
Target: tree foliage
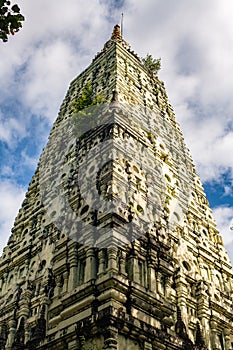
x,y
10,19
84,115
87,98
152,64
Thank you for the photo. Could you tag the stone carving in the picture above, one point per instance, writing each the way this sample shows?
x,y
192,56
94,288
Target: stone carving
x,y
59,283
180,329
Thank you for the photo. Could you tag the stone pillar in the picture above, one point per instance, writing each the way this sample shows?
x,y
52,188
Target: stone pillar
x,y
168,291
46,303
5,282
158,280
11,335
58,289
90,272
101,257
227,334
135,267
206,328
136,274
110,338
122,262
27,332
151,277
182,297
214,335
112,259
38,287
203,310
212,275
73,268
24,308
66,280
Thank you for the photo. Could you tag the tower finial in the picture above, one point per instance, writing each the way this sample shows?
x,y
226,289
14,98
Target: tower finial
x,y
116,33
122,18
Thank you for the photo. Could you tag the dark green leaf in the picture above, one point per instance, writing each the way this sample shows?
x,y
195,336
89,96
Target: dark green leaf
x,y
10,19
3,10
15,8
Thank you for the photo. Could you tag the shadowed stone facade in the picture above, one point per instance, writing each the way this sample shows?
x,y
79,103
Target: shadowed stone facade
x,y
115,246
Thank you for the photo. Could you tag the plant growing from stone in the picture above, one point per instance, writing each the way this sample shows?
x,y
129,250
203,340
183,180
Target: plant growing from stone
x,y
87,98
85,108
153,65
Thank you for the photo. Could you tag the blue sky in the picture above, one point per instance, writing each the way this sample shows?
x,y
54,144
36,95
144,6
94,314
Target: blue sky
x,y
195,42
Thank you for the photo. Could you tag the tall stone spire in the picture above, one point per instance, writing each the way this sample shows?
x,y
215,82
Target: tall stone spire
x,y
115,245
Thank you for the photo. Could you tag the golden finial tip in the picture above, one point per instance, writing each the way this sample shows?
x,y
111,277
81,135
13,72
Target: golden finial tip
x,y
116,32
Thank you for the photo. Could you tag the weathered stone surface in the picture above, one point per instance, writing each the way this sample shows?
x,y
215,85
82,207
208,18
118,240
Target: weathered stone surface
x,y
115,246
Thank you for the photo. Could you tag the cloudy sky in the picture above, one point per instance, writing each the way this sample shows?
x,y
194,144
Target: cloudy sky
x,y
59,39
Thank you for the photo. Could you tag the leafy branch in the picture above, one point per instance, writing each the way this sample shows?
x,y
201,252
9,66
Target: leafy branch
x,y
153,65
84,112
10,19
87,98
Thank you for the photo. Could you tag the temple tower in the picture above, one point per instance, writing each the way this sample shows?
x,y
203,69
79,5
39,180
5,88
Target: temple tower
x,y
115,246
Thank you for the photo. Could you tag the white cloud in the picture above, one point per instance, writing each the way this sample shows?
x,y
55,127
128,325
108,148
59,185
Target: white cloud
x,y
224,218
28,161
11,196
228,191
7,171
11,129
52,47
211,146
43,89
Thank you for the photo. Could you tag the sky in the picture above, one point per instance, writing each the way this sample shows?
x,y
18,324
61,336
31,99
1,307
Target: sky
x,y
194,40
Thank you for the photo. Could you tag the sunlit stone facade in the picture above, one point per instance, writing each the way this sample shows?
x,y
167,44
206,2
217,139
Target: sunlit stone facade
x,y
115,246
